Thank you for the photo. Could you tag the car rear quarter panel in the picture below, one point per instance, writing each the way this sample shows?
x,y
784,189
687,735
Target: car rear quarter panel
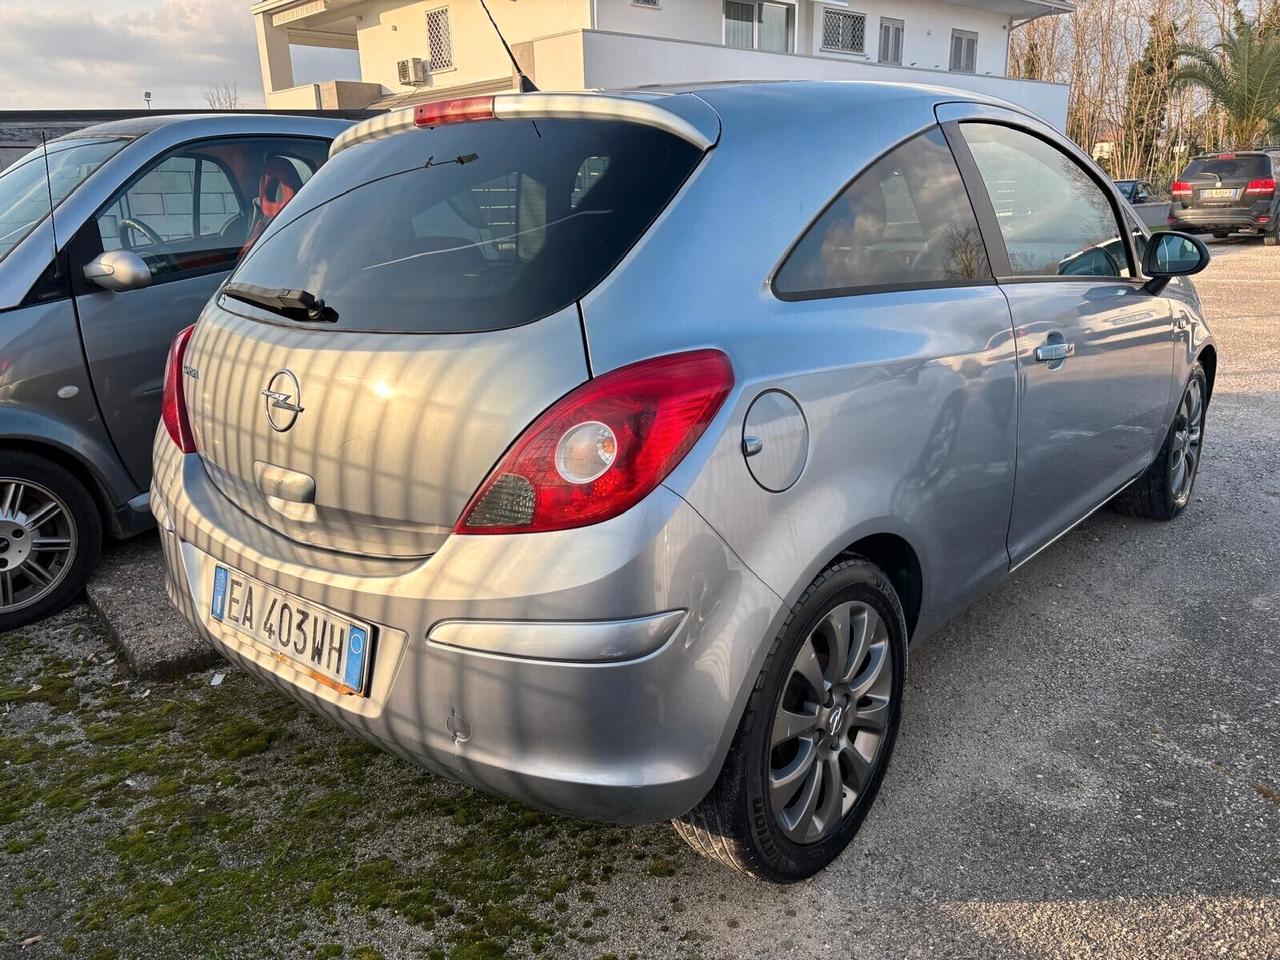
x,y
909,396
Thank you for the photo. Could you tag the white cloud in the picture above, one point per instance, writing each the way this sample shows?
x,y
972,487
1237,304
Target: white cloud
x,y
80,54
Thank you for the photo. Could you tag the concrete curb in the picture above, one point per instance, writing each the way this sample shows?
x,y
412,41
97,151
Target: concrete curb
x,y
127,592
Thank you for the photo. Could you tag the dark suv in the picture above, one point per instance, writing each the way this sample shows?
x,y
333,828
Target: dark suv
x,y
1224,193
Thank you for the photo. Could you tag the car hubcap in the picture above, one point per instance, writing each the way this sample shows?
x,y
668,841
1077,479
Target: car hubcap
x,y
1187,433
37,542
831,722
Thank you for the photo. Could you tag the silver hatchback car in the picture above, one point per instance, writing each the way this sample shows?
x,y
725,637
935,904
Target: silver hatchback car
x,y
608,451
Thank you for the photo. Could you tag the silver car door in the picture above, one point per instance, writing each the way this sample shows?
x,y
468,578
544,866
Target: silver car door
x,y
1095,350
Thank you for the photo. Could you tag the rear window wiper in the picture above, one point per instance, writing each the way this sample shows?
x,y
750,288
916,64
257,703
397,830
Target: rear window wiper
x,y
294,304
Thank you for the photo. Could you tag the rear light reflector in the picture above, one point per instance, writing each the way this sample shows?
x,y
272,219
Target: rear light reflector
x,y
173,408
1171,220
1264,219
1180,188
459,110
1261,188
602,448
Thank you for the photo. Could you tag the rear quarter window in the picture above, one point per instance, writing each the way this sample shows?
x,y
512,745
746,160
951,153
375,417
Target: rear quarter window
x,y
472,226
905,221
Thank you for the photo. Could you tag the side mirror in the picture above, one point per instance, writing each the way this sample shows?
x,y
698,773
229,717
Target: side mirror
x,y
118,270
1172,254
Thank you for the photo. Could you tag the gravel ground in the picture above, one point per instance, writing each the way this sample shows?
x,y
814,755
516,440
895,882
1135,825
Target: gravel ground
x,y
1089,767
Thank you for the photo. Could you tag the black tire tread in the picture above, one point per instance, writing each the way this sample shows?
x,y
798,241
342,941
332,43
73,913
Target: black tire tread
x,y
715,827
1148,495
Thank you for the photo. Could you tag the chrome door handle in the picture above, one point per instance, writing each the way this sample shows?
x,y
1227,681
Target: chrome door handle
x,y
1055,352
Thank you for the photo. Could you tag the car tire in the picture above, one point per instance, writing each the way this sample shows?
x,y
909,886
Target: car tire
x,y
784,723
1164,490
50,537
1221,234
1270,238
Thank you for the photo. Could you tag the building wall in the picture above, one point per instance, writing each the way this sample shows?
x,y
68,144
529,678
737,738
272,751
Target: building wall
x,y
392,30
926,33
701,20
927,26
616,60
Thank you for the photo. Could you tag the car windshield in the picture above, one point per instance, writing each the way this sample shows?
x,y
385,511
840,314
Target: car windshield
x,y
1128,188
1228,167
24,191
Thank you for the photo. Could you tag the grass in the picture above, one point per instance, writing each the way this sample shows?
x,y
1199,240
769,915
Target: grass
x,y
208,819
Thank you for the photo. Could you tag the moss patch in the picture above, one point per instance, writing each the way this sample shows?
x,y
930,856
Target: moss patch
x,y
209,819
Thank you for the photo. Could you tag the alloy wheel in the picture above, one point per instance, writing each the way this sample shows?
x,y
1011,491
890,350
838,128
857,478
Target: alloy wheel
x,y
1188,431
831,722
37,542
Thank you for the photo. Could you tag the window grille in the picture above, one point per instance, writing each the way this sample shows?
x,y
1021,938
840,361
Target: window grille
x,y
440,39
844,31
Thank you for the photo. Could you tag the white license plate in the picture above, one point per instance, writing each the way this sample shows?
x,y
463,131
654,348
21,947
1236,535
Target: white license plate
x,y
1218,193
331,647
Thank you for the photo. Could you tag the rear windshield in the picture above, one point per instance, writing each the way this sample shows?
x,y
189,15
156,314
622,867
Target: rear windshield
x,y
472,226
1228,168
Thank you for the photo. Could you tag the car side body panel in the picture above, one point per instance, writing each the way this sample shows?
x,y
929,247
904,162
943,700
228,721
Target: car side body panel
x,y
845,360
47,398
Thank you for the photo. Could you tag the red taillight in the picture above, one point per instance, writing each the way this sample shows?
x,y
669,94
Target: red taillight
x,y
453,111
602,448
1171,220
1263,188
1180,188
1226,156
173,411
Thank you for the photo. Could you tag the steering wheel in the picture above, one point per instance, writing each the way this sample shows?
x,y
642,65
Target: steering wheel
x,y
133,223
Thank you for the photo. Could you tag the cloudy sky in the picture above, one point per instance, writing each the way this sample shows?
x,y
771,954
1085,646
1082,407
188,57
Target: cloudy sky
x,y
103,53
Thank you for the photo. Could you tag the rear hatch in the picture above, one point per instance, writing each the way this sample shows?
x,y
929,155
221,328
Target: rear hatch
x,y
1225,181
413,310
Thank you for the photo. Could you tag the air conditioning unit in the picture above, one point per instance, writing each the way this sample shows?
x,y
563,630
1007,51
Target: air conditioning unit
x,y
413,72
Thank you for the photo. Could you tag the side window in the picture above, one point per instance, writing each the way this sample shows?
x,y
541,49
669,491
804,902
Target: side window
x,y
1055,219
156,211
905,221
194,210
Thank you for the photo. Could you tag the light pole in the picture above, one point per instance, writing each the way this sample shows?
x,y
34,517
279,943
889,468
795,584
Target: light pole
x,y
146,95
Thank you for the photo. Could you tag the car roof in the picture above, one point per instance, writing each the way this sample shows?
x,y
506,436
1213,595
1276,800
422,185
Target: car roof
x,y
843,92
230,122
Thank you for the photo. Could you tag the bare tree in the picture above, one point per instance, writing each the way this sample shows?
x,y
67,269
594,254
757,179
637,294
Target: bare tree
x,y
222,96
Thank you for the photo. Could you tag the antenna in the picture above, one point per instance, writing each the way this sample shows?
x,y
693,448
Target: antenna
x,y
48,183
526,85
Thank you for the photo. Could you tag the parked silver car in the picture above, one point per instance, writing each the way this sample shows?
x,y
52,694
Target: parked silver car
x,y
148,217
608,451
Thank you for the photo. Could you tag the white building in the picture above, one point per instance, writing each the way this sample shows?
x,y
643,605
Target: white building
x,y
416,50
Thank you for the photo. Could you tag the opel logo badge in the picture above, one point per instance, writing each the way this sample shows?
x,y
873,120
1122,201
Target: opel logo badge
x,y
283,401
837,715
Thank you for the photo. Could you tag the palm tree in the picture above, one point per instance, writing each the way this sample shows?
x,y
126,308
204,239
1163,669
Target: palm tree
x,y
1241,75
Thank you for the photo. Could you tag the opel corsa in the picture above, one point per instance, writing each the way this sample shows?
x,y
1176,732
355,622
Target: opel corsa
x,y
608,452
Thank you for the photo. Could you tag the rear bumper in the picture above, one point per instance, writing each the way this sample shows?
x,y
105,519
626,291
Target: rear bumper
x,y
1221,218
597,672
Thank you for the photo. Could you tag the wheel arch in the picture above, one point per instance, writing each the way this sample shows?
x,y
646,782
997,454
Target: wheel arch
x,y
894,555
74,465
1208,358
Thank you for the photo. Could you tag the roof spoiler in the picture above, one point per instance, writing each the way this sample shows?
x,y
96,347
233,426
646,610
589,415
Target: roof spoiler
x,y
524,106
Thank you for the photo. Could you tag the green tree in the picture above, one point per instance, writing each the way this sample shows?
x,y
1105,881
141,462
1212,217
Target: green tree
x,y
1241,75
1147,93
